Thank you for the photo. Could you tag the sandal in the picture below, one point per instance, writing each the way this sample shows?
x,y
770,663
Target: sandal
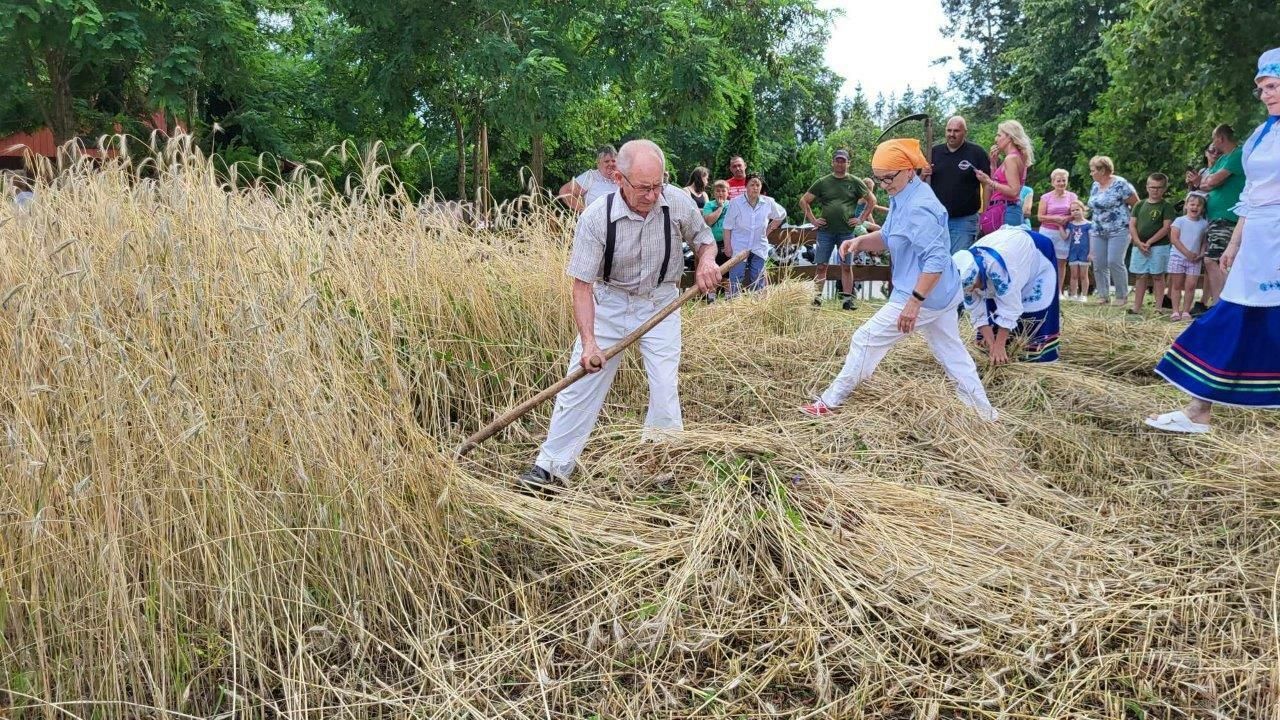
x,y
1177,422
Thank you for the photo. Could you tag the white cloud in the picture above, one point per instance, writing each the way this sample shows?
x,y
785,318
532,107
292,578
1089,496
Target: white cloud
x,y
873,44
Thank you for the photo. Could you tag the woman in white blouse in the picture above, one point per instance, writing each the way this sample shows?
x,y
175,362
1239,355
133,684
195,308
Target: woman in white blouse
x,y
752,216
1231,354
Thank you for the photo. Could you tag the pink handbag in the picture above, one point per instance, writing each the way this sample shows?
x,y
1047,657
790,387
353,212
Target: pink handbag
x,y
992,218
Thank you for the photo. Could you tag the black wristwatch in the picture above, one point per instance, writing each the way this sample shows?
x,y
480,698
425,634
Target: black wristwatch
x,y
916,294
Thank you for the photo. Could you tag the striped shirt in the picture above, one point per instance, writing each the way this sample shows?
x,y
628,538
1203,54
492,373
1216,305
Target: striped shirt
x,y
637,252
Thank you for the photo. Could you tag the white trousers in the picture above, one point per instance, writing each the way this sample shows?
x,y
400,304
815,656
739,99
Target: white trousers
x,y
941,330
578,406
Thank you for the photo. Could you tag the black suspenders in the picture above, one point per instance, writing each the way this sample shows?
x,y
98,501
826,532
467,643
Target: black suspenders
x,y
611,239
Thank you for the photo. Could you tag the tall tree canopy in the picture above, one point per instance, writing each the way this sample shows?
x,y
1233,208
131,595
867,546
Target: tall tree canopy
x,y
1143,82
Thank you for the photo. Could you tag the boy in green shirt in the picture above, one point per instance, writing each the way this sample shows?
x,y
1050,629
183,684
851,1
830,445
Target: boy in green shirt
x,y
1149,233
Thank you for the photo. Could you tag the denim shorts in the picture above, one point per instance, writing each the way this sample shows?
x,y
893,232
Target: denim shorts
x,y
1155,263
829,242
1013,214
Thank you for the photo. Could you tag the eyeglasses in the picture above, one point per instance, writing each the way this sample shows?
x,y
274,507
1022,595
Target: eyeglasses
x,y
1268,89
887,179
643,189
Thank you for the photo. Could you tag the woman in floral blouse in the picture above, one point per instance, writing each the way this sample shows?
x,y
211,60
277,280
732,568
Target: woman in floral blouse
x,y
1109,200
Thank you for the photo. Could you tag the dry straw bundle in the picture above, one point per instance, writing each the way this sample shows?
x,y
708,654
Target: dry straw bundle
x,y
228,410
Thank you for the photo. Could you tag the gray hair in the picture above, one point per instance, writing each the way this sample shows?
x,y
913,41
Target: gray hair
x,y
635,148
963,123
606,151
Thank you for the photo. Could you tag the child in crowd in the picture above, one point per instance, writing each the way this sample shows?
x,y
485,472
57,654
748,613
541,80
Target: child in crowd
x,y
1078,254
714,212
1149,233
1187,236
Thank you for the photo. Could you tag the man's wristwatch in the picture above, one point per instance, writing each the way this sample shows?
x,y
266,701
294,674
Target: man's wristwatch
x,y
916,294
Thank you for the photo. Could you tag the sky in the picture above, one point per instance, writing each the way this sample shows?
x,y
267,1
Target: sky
x,y
871,31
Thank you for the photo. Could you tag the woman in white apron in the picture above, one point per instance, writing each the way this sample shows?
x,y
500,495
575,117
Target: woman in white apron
x,y
1231,354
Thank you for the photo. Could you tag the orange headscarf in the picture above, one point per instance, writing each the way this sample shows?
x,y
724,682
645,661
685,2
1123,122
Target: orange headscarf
x,y
898,154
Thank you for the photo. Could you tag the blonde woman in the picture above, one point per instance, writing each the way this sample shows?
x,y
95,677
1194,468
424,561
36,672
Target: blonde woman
x,y
1004,185
1054,213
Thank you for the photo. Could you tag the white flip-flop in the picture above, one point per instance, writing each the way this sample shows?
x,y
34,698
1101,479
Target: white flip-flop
x,y
1178,422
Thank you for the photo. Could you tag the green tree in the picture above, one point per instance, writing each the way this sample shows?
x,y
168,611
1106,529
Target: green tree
x,y
77,58
1177,69
742,137
989,29
1058,71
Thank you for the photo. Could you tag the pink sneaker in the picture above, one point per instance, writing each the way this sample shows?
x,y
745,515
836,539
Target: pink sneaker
x,y
817,409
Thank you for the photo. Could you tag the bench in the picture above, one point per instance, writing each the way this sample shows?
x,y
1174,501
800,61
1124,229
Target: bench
x,y
790,236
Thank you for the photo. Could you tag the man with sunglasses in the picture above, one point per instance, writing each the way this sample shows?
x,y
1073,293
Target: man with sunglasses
x,y
626,263
926,285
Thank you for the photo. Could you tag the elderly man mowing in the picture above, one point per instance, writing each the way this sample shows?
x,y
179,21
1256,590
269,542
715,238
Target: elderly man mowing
x,y
926,286
625,264
1010,282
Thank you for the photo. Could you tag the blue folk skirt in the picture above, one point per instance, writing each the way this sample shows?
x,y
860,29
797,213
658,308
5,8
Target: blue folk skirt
x,y
1040,328
1229,355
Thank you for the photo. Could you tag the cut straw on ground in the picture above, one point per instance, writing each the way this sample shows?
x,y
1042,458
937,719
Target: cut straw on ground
x,y
229,413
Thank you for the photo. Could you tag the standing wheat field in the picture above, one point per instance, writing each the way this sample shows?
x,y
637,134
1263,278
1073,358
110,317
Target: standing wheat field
x,y
229,416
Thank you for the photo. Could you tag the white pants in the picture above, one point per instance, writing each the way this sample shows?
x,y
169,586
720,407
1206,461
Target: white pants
x,y
578,406
941,330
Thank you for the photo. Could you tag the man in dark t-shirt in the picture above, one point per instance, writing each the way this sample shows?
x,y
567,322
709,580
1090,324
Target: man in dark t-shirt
x,y
952,166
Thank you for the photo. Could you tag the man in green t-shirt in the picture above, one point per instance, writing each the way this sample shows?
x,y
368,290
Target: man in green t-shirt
x,y
1224,183
1149,234
837,196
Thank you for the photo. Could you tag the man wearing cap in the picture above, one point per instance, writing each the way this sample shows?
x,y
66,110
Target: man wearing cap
x,y
956,184
837,195
926,286
625,264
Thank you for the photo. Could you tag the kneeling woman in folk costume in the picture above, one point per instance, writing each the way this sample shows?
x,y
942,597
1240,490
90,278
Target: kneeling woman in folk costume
x,y
926,287
1231,354
1010,281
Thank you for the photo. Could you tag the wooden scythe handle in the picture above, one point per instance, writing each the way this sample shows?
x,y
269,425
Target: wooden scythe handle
x,y
578,373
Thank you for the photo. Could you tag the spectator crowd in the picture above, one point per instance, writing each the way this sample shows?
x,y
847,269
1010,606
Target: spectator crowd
x,y
1115,243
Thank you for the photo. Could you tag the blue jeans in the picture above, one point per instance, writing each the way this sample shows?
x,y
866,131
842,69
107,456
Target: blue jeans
x,y
829,242
964,232
749,273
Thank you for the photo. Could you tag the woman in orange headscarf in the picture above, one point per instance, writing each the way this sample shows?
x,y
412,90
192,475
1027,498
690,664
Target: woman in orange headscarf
x,y
926,286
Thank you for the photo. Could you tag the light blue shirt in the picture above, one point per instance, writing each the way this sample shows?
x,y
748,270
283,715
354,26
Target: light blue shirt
x,y
916,234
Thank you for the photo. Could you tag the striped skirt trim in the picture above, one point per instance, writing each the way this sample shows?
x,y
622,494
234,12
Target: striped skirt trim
x,y
1230,355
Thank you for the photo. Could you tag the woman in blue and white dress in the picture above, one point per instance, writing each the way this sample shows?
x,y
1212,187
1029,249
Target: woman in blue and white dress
x,y
1231,354
1010,281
